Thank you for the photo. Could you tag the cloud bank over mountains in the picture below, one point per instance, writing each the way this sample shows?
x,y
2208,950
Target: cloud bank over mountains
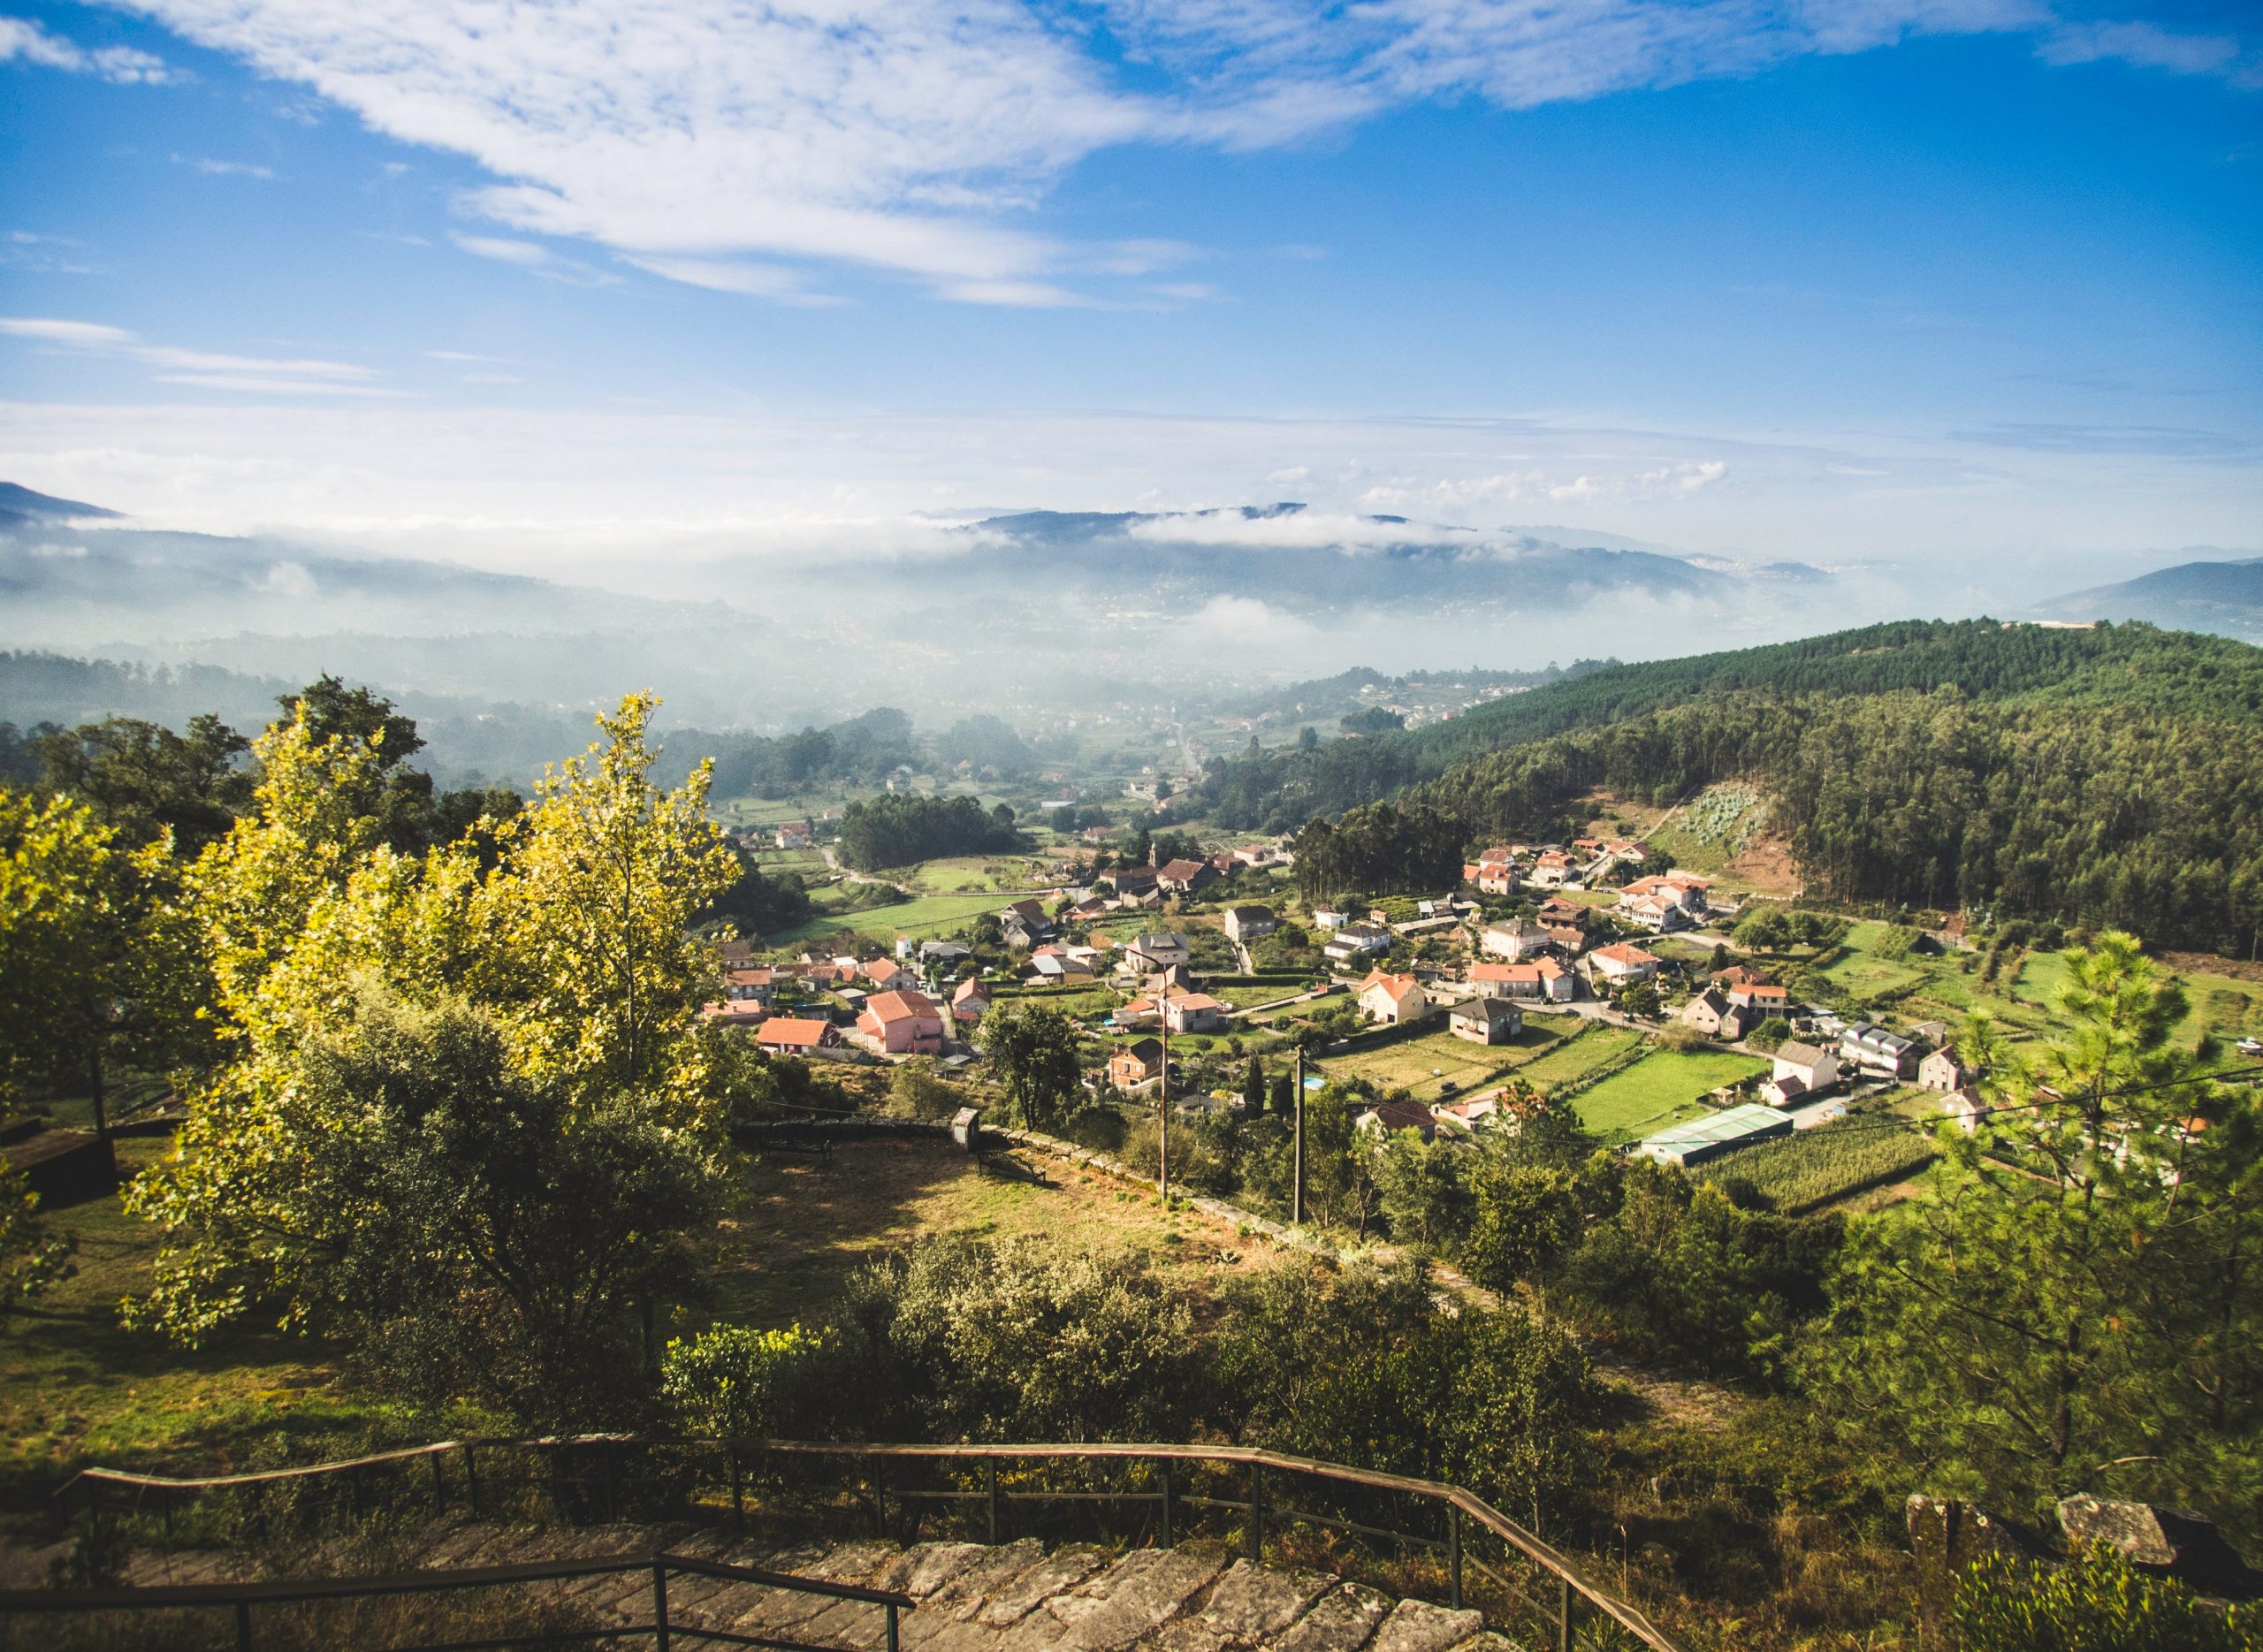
x,y
747,147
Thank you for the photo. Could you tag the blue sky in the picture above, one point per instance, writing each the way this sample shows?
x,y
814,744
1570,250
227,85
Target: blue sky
x,y
1869,280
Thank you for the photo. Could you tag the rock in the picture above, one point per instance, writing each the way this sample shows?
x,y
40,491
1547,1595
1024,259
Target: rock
x,y
1141,1591
1057,1574
1419,1627
1341,1620
1253,1602
927,1568
2171,1542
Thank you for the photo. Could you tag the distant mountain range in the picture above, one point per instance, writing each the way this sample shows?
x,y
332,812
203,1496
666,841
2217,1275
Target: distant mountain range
x,y
19,505
1390,561
2226,597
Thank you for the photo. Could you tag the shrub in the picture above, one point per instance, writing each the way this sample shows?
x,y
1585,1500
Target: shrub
x,y
737,1383
2095,1602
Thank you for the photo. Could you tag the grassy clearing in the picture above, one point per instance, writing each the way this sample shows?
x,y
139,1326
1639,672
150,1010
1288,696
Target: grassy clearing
x,y
802,1226
924,918
1596,1048
76,1387
1661,1089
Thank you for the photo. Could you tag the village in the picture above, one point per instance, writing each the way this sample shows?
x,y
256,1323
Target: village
x,y
1590,975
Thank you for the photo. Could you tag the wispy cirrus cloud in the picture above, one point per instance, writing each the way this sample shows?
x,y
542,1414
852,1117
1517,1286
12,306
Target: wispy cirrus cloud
x,y
24,41
727,146
203,369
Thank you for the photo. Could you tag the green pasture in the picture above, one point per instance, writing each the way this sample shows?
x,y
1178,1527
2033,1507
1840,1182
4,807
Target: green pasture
x,y
1663,1088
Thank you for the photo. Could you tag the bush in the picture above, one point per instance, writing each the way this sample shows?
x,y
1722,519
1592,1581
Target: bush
x,y
2095,1602
737,1383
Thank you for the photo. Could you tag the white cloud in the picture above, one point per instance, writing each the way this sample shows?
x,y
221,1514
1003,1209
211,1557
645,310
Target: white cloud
x,y
536,259
224,169
706,140
756,280
1296,530
205,369
2149,46
23,41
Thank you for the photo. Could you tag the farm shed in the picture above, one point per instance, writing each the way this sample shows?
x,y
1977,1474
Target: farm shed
x,y
1715,1134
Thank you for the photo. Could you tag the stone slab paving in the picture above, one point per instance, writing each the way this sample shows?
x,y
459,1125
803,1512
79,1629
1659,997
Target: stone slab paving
x,y
973,1597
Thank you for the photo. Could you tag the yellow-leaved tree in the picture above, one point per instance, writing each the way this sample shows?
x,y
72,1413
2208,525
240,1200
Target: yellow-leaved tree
x,y
464,1121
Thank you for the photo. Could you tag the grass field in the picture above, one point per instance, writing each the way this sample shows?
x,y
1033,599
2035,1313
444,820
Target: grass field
x,y
804,1224
76,1387
1661,1089
2024,998
968,874
1410,1065
1598,1047
923,919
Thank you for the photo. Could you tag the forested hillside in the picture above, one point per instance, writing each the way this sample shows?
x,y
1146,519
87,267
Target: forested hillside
x,y
2113,776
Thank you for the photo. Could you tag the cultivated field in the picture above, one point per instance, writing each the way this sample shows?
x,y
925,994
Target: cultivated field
x,y
1661,1089
1424,1064
925,918
1817,1166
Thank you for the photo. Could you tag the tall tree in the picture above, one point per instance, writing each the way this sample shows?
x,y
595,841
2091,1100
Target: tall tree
x,y
1033,1050
2078,1303
143,781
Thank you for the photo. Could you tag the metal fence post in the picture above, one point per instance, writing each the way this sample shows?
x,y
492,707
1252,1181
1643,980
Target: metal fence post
x,y
1453,1551
1167,1539
471,1477
659,1604
243,1626
990,1481
1257,1511
1563,1615
891,1627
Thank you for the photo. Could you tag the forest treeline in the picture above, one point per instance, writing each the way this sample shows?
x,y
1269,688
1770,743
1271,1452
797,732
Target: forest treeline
x,y
904,828
2112,777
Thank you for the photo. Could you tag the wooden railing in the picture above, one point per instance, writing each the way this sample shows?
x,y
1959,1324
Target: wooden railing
x,y
1182,1488
240,1600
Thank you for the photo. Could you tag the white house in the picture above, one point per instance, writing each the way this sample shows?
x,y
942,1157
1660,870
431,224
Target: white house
x,y
1516,939
1815,1069
1622,963
1247,923
1393,1000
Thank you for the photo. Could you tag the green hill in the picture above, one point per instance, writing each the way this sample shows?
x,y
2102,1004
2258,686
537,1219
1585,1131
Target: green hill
x,y
2109,775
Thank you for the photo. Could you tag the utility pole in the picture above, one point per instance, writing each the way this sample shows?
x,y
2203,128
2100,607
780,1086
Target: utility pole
x,y
1297,1178
1162,1112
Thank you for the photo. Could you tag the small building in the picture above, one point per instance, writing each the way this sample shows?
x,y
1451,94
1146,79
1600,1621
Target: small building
x,y
1872,1049
1195,1012
1815,1069
1184,877
972,1001
1137,1065
1397,1116
1943,1071
889,975
1051,967
1623,962
1150,954
794,835
791,1035
1543,978
1712,1014
735,1012
1355,939
903,1023
1762,999
1710,1136
1393,1000
1572,914
1967,1106
1517,940
1486,1020
1250,922
750,986
942,955
1327,919
1497,877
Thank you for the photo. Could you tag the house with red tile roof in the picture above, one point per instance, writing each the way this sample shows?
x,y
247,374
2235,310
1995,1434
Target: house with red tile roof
x,y
790,1035
903,1023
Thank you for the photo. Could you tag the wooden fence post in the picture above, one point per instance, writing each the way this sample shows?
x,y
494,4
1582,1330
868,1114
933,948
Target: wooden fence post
x,y
1563,1615
471,1477
738,1490
1257,1511
1166,1534
439,1484
1453,1551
